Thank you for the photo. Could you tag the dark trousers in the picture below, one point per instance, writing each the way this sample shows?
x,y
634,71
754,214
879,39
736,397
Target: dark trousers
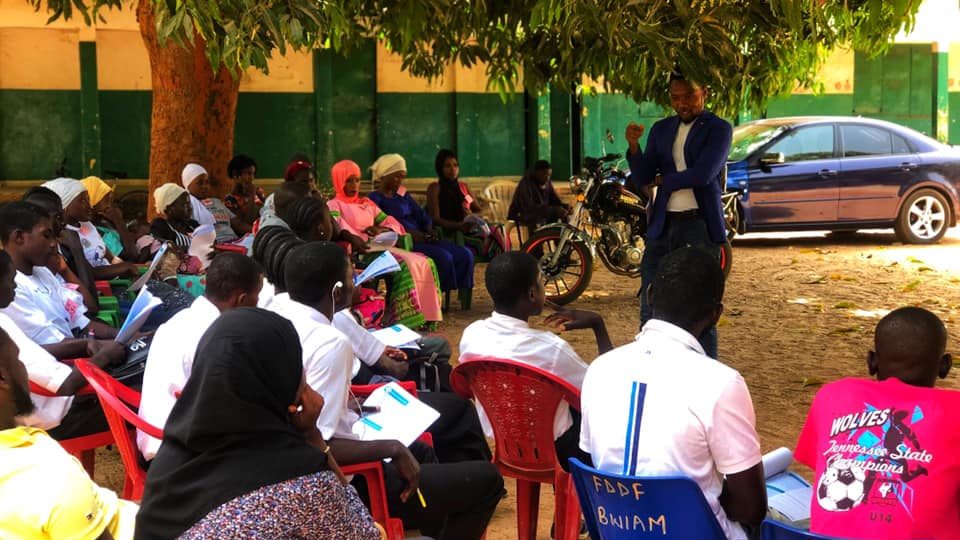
x,y
85,417
461,497
454,263
568,445
677,233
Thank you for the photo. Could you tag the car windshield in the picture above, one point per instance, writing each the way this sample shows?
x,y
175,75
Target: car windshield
x,y
748,137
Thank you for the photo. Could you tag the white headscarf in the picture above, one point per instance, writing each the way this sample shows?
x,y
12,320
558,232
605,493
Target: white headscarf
x,y
387,164
190,173
67,188
164,196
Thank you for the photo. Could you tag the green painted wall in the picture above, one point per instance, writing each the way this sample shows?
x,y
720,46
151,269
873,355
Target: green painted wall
x,y
38,129
490,134
272,127
897,87
808,104
416,126
613,112
125,133
954,104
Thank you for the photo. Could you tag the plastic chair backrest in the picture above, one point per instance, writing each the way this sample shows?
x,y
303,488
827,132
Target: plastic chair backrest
x,y
521,402
499,195
119,403
774,530
617,507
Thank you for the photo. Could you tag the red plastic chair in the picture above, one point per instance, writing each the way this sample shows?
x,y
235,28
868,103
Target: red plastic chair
x,y
521,402
119,404
103,287
232,248
83,448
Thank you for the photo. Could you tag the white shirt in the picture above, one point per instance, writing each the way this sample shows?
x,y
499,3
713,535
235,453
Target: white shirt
x,y
94,248
694,414
366,347
267,293
43,370
327,363
507,338
682,199
40,308
200,213
169,364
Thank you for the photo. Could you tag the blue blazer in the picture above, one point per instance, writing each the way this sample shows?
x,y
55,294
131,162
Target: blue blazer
x,y
705,152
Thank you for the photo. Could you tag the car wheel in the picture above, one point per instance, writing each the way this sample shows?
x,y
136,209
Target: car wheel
x,y
924,218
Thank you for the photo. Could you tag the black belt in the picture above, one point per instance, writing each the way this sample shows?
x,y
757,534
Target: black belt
x,y
686,215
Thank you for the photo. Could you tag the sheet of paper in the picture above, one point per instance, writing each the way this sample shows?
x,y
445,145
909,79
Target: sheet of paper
x,y
139,311
397,335
201,244
793,505
382,241
402,417
386,263
142,280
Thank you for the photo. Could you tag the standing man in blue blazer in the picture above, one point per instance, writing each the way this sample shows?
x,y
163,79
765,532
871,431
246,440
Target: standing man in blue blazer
x,y
682,168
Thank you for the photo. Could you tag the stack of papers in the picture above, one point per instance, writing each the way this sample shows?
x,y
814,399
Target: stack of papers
x,y
142,280
201,244
402,417
139,311
383,241
386,263
787,493
398,336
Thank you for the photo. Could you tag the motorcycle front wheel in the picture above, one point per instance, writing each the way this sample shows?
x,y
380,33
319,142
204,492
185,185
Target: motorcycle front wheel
x,y
565,281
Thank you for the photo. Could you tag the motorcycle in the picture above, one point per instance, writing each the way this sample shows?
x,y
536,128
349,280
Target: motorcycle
x,y
608,221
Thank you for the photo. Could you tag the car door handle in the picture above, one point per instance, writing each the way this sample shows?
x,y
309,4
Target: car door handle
x,y
825,173
907,166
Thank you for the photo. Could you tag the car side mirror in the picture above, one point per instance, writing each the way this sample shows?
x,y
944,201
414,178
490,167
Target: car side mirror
x,y
772,158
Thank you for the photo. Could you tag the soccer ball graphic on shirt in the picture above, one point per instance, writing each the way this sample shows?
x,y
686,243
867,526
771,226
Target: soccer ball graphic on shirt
x,y
841,486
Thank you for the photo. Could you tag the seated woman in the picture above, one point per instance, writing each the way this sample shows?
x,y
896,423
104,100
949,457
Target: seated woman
x,y
535,202
246,199
264,472
454,263
76,217
453,207
174,225
109,220
414,297
209,210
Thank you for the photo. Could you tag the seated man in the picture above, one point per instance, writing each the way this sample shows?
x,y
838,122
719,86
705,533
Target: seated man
x,y
64,416
884,452
44,492
460,497
660,406
40,308
233,281
535,202
515,284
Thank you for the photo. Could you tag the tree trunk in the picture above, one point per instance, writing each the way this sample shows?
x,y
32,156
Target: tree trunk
x,y
193,109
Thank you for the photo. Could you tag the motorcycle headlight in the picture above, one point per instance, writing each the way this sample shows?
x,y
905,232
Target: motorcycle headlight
x,y
576,184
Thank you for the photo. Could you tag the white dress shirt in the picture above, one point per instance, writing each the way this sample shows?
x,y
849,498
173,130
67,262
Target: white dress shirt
x,y
43,370
507,338
40,308
327,362
659,406
682,199
367,348
169,364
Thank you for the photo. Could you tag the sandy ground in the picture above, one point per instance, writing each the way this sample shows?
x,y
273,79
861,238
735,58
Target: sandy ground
x,y
799,310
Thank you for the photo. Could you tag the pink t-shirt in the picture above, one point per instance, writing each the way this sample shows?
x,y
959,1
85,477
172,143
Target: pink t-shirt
x,y
886,457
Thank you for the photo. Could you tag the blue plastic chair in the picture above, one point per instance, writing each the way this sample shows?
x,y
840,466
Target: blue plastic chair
x,y
775,530
618,507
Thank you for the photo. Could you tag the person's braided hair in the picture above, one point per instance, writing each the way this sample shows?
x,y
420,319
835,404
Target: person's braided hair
x,y
304,215
271,247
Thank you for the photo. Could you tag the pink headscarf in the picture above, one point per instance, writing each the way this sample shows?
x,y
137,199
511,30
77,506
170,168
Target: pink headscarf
x,y
339,173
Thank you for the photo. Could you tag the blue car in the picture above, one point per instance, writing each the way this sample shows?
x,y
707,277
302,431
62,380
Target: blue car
x,y
841,174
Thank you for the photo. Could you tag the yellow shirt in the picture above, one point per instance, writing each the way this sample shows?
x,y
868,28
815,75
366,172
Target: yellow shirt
x,y
46,494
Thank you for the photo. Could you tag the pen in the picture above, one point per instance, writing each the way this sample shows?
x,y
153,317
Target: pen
x,y
423,503
369,409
